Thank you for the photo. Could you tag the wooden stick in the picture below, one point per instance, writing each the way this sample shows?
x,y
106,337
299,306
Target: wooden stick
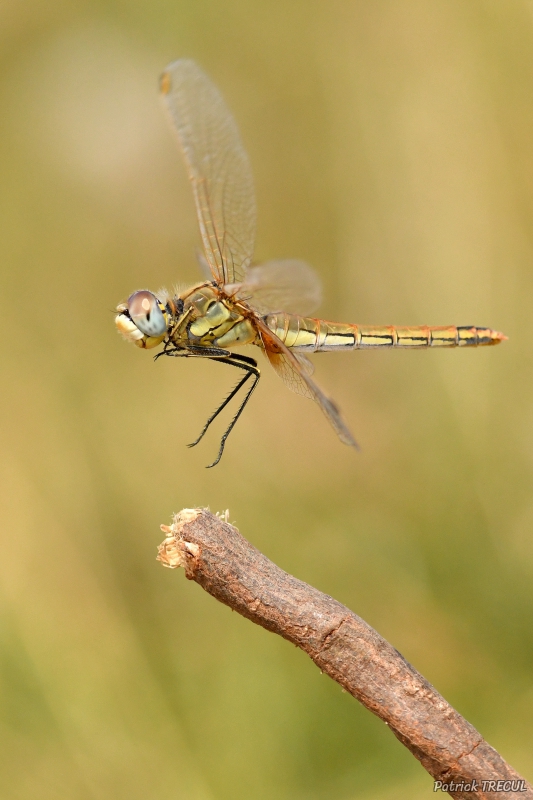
x,y
215,555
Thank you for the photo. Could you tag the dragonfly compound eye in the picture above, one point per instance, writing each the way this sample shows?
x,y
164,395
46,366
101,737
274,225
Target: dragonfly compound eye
x,y
145,312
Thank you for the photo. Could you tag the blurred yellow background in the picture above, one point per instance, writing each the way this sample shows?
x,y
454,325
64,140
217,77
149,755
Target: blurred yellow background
x,y
392,148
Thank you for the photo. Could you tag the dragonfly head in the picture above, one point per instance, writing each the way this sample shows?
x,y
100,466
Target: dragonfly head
x,y
143,320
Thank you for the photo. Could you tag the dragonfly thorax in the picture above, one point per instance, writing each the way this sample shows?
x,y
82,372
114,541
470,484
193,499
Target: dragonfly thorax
x,y
202,316
210,319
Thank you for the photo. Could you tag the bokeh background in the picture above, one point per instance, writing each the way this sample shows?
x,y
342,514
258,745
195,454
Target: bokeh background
x,y
392,147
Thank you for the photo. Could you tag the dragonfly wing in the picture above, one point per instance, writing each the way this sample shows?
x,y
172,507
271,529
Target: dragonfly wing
x,y
204,266
285,285
307,365
218,168
298,380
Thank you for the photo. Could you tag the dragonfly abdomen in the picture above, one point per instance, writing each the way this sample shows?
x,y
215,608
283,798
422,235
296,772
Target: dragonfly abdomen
x,y
425,336
317,335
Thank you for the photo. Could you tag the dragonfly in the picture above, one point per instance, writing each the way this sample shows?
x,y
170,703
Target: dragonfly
x,y
239,303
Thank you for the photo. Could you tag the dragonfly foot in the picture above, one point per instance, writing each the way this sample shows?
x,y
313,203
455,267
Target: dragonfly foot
x,y
217,459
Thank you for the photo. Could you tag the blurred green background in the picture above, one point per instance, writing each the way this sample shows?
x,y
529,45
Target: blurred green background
x,y
392,147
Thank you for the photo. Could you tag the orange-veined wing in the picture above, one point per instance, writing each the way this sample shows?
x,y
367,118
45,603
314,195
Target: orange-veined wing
x,y
295,376
285,285
218,168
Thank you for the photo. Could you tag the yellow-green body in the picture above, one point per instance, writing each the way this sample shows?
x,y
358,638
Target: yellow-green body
x,y
315,335
211,319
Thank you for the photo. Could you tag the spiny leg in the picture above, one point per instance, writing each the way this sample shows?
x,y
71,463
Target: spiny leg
x,y
220,408
254,373
242,362
194,352
225,357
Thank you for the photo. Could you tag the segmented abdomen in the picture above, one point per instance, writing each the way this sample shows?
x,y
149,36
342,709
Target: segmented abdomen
x,y
315,335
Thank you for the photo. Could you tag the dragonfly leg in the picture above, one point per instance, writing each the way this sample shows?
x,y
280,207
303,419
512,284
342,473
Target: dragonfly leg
x,y
254,374
249,365
193,352
220,408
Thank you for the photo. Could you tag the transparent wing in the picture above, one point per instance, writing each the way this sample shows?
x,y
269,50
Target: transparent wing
x,y
205,269
298,380
307,365
287,285
218,168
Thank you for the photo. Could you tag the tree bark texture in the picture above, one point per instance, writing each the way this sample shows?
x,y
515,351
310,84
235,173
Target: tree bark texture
x,y
214,554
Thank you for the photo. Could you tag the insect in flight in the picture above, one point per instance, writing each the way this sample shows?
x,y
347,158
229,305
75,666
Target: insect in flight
x,y
239,304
